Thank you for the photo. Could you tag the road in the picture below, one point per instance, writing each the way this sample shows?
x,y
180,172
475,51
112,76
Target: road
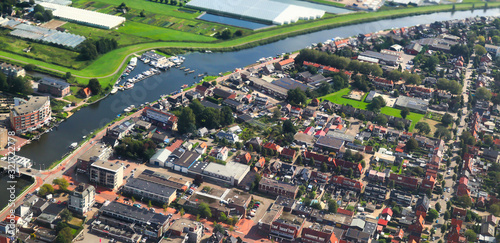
x,y
48,176
448,178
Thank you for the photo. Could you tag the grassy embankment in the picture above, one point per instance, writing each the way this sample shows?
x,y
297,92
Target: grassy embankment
x,y
338,98
108,63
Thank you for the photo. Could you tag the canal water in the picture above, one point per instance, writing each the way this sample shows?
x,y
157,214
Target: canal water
x,y
5,183
55,144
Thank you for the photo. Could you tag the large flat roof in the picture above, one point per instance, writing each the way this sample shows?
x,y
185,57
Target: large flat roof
x,y
139,214
154,188
34,103
233,169
84,16
264,10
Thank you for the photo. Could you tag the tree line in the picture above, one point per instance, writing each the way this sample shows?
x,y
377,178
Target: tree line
x,y
196,116
41,14
13,84
90,49
338,62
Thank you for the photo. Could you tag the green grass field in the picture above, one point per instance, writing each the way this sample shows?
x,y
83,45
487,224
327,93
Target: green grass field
x,y
159,33
338,99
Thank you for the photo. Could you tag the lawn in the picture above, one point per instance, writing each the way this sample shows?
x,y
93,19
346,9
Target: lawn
x,y
159,33
338,99
397,169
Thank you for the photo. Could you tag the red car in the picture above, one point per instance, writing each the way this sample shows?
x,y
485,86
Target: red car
x,y
58,202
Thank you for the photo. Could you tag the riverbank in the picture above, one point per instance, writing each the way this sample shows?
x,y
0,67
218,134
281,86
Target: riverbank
x,y
109,64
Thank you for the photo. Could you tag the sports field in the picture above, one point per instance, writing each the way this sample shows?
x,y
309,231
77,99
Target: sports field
x,y
338,99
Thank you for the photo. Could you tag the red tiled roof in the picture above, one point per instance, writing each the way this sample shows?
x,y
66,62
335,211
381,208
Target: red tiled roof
x,y
287,61
387,211
382,222
345,212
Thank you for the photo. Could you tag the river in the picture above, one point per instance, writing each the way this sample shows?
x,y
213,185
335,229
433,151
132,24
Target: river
x,y
53,145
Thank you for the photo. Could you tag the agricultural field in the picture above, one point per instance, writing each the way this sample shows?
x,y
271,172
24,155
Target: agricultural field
x,y
338,98
160,15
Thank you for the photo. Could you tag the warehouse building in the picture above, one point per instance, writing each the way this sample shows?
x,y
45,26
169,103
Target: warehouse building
x,y
83,16
259,10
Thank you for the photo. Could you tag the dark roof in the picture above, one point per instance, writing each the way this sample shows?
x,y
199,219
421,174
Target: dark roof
x,y
53,209
245,118
288,83
206,103
183,158
330,142
231,102
54,83
424,201
222,93
139,214
154,188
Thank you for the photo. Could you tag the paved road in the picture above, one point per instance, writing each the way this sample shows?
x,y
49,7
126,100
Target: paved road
x,y
47,176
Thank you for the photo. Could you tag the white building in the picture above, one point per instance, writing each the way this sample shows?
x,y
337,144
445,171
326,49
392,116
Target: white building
x,y
106,174
160,157
231,173
82,198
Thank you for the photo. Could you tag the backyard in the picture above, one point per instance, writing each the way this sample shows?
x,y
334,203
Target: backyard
x,y
338,98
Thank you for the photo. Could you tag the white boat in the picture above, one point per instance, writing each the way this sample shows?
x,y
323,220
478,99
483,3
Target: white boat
x,y
114,90
133,61
73,145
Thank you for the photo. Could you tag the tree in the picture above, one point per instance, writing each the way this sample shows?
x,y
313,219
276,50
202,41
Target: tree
x,y
288,127
479,50
226,116
447,119
470,235
433,215
204,210
377,103
222,217
438,207
464,201
225,34
219,228
61,182
350,173
399,125
423,128
296,97
405,112
182,212
66,215
187,120
46,189
324,167
142,14
447,215
412,144
442,132
95,86
276,114
444,228
483,93
150,205
65,235
380,119
68,75
332,206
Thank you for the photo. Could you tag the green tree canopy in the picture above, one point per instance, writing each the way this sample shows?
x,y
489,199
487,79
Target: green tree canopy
x,y
483,93
297,97
423,128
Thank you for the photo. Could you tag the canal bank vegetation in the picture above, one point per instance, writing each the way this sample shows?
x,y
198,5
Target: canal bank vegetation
x,y
107,64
